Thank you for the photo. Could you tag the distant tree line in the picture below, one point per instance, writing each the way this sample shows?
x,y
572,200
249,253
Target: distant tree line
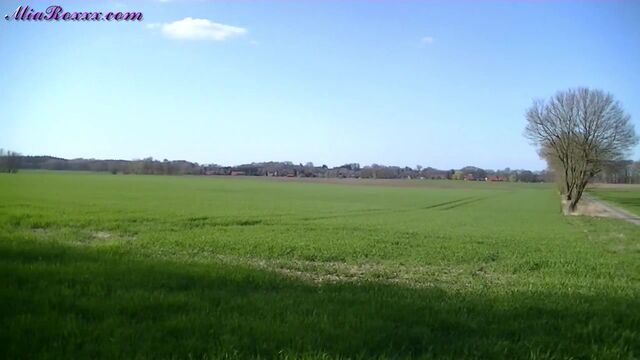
x,y
624,171
619,172
12,161
9,161
147,166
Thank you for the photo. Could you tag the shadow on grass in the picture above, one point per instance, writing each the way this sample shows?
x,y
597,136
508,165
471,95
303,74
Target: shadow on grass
x,y
74,302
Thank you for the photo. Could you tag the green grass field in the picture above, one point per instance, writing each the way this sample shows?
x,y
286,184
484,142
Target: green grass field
x,y
625,196
113,266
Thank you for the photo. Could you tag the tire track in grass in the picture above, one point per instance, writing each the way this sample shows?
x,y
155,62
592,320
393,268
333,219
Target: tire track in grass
x,y
435,206
462,203
348,213
446,205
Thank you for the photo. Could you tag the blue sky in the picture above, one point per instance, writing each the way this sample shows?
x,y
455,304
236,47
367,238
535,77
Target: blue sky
x,y
435,83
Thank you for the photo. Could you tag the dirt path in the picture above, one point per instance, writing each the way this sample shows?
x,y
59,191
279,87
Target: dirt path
x,y
592,206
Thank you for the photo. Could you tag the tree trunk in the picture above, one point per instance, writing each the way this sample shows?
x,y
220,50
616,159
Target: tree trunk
x,y
577,195
574,203
567,183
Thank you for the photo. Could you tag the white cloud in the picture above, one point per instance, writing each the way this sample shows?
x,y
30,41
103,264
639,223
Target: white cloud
x,y
427,40
198,29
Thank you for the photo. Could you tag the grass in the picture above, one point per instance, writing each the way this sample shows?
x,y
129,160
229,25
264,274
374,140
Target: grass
x,y
625,196
104,266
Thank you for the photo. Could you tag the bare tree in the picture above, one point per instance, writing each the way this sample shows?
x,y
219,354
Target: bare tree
x,y
578,131
9,161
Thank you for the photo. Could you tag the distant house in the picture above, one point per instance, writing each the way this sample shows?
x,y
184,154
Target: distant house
x,y
496,178
469,177
238,173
